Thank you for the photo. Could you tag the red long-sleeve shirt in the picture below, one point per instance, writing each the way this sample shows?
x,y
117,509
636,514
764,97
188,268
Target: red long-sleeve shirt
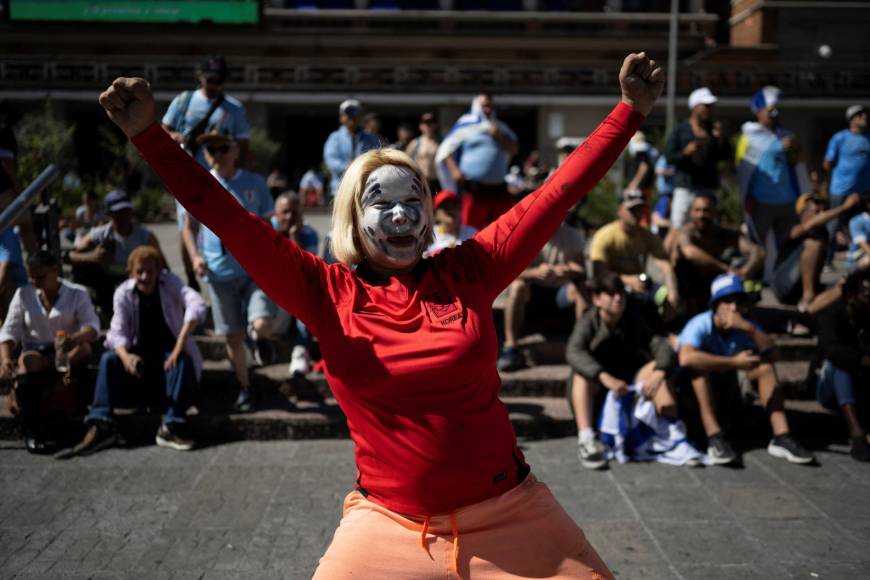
x,y
410,359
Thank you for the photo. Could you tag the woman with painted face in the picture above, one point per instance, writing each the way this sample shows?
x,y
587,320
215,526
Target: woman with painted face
x,y
410,349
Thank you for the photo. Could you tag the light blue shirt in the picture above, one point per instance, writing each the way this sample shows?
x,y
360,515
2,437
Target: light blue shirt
x,y
859,231
483,159
251,192
700,333
229,118
664,184
341,148
849,153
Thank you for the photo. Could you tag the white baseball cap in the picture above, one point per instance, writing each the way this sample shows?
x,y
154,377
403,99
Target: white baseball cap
x,y
701,96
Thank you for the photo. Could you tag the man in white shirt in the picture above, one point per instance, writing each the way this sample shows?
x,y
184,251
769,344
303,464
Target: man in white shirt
x,y
38,314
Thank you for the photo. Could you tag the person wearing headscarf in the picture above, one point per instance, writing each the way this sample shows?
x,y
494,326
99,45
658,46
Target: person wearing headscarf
x,y
473,160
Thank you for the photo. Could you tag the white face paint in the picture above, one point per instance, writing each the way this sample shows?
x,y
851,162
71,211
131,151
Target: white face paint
x,y
396,217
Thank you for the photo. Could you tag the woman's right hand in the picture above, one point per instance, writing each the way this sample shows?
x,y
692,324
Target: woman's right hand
x,y
129,104
7,369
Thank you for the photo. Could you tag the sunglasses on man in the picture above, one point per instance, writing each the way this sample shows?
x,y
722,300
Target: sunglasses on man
x,y
215,149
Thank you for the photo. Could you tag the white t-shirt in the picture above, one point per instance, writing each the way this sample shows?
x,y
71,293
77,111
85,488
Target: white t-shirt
x,y
29,324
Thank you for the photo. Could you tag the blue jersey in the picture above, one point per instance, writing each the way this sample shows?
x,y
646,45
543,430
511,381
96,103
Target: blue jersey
x,y
849,153
701,334
859,230
251,192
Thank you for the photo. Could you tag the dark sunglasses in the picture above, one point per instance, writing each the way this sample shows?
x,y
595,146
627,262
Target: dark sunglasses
x,y
215,149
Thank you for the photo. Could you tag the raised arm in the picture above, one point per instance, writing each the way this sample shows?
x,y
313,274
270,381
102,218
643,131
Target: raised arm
x,y
276,264
517,236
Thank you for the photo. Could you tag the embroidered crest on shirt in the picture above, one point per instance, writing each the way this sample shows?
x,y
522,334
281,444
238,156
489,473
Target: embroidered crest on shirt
x,y
442,306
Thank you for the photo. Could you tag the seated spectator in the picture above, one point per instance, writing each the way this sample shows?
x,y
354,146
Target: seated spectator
x,y
610,350
12,274
40,311
237,304
88,215
703,249
547,285
623,247
800,262
100,258
449,229
859,230
289,220
151,359
716,344
844,356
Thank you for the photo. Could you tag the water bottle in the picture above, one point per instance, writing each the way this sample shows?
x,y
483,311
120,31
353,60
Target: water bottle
x,y
61,360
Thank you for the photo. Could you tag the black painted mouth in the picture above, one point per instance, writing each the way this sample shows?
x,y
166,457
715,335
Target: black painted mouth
x,y
402,241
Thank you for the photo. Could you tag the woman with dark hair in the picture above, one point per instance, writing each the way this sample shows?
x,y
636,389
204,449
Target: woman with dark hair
x,y
410,349
47,314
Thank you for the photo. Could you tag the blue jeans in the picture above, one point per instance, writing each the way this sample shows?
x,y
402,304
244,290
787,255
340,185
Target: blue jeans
x,y
115,384
836,387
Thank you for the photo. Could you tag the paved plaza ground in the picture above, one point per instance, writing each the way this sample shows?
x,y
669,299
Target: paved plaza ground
x,y
268,510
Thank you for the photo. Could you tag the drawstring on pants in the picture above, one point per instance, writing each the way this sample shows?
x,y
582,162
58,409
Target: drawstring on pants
x,y
454,560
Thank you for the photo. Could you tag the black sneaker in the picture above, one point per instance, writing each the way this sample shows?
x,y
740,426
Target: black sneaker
x,y
720,451
174,436
34,443
511,359
592,454
100,435
860,451
245,401
786,447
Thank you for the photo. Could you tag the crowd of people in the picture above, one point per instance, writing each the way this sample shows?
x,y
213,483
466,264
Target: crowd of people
x,y
661,297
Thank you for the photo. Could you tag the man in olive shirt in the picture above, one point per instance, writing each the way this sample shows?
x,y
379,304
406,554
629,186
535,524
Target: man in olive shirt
x,y
623,246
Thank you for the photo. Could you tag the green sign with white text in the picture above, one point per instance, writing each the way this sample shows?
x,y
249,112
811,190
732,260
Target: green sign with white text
x,y
217,11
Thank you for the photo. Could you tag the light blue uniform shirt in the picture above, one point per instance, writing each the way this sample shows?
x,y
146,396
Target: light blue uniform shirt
x,y
482,158
700,333
849,153
251,192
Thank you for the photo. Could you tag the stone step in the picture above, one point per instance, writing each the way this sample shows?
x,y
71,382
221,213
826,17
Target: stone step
x,y
532,417
538,349
547,380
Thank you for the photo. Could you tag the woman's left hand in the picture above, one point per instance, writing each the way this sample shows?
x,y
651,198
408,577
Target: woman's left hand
x,y
641,81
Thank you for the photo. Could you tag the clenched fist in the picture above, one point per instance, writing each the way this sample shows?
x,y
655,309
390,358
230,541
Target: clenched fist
x,y
129,104
641,81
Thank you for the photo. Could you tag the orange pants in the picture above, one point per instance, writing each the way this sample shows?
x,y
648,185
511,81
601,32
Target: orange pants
x,y
523,533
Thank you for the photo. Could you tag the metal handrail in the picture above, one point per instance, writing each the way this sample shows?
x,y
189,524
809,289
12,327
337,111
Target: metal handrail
x,y
24,199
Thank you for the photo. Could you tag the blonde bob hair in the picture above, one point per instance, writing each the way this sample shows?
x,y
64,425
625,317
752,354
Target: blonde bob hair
x,y
347,211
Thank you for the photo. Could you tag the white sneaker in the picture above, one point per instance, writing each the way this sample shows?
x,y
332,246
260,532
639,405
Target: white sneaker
x,y
300,363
